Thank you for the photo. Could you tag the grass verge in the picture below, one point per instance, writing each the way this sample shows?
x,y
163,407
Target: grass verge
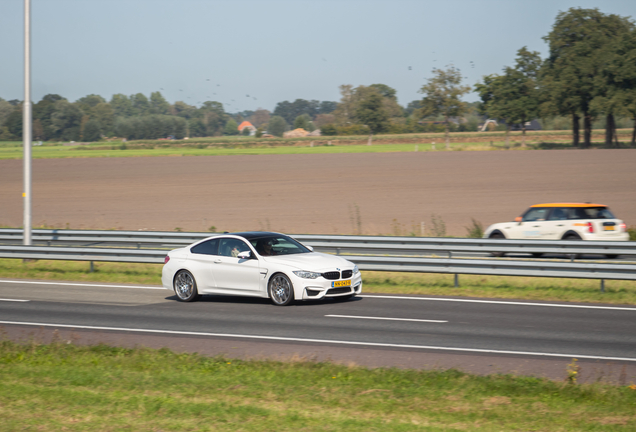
x,y
66,387
526,288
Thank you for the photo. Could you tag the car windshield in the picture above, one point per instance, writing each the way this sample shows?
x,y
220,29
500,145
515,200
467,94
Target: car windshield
x,y
274,245
589,213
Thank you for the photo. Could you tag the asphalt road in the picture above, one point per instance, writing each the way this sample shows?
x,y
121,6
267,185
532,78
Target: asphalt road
x,y
373,330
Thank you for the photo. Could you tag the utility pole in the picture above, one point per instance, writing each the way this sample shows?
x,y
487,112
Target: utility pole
x,y
26,123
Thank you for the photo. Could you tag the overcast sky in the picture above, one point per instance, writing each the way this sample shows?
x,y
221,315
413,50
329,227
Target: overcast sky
x,y
248,54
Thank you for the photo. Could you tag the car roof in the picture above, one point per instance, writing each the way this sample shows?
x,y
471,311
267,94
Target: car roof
x,y
569,205
250,235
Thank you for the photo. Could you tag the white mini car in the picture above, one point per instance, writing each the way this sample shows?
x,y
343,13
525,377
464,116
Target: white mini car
x,y
258,264
562,221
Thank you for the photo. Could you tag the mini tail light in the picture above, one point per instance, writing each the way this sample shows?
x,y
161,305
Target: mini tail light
x,y
623,226
590,227
166,259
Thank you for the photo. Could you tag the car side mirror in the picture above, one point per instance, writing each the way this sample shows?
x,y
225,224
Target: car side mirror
x,y
518,219
310,248
244,255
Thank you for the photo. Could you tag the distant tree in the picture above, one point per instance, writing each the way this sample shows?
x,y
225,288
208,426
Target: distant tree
x,y
323,119
231,127
42,111
13,123
327,107
513,96
617,85
104,114
66,121
371,112
442,95
290,110
87,103
140,104
412,107
158,104
92,131
303,121
260,117
578,42
5,109
385,91
329,129
184,110
277,126
121,105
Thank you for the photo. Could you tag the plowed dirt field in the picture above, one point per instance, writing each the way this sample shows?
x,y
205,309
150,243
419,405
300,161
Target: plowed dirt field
x,y
382,193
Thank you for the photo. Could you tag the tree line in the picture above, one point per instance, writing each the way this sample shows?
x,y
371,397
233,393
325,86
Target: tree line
x,y
588,77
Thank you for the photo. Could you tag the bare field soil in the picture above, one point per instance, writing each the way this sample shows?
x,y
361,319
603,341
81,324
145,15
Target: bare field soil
x,y
371,193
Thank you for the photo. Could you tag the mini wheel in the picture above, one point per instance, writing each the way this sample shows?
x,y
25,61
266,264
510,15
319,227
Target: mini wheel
x,y
185,287
497,236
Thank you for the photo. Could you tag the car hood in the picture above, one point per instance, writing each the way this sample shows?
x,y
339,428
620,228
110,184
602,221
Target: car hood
x,y
313,261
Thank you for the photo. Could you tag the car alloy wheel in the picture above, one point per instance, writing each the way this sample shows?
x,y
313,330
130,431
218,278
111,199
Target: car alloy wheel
x,y
185,286
281,290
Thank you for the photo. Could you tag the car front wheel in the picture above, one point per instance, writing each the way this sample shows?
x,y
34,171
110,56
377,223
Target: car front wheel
x,y
497,236
280,290
185,287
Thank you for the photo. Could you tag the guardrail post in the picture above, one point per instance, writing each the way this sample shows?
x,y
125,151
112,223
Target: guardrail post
x,y
602,285
456,280
92,267
337,251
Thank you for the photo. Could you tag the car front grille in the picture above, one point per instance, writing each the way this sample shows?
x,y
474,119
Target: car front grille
x,y
333,275
342,290
346,274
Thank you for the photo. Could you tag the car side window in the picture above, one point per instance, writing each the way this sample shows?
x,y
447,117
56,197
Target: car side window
x,y
232,247
209,247
535,214
558,214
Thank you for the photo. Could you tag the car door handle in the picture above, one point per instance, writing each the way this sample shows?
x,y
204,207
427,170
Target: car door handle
x,y
217,261
536,226
560,224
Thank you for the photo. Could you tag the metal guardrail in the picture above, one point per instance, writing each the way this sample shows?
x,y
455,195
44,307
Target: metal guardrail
x,y
331,244
559,269
83,254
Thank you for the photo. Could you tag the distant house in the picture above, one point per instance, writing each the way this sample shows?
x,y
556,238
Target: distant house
x,y
248,125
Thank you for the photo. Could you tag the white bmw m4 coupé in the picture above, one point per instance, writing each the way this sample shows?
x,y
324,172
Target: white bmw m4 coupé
x,y
258,264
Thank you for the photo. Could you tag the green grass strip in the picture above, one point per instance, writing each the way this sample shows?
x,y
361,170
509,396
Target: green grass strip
x,y
62,386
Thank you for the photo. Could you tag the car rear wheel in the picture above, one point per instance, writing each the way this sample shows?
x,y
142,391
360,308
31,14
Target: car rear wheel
x,y
280,290
185,287
497,236
573,237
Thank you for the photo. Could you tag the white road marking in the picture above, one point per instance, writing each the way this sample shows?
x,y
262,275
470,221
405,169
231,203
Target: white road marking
x,y
388,319
14,300
290,339
633,309
81,284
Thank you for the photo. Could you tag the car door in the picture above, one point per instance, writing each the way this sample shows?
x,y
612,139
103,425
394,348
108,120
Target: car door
x,y
533,224
201,262
556,224
233,274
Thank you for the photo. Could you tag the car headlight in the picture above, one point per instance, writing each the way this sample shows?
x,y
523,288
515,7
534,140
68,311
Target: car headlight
x,y
356,270
307,274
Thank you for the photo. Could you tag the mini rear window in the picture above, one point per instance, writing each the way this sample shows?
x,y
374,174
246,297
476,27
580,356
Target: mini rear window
x,y
588,213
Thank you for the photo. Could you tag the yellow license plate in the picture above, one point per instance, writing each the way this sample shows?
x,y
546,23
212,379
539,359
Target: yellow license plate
x,y
608,228
344,283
